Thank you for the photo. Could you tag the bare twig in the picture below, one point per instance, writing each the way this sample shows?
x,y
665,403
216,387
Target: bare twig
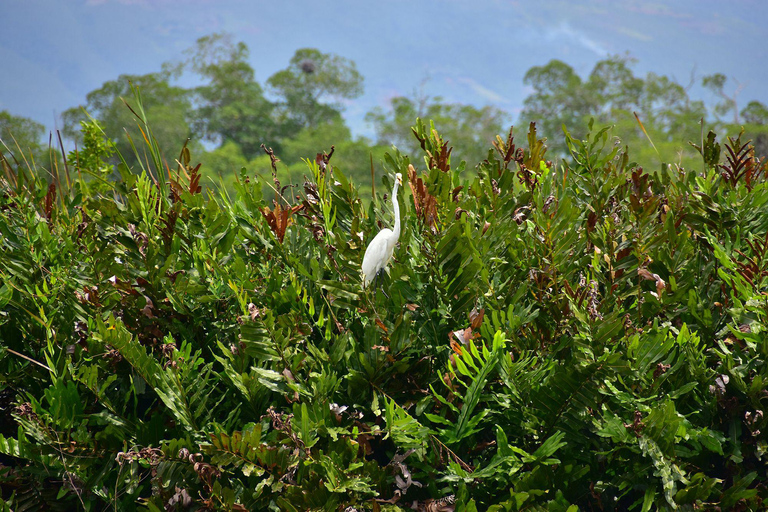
x,y
273,159
64,157
273,162
373,180
38,363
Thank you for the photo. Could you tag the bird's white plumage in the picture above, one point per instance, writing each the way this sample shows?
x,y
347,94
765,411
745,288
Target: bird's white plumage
x,y
382,246
377,254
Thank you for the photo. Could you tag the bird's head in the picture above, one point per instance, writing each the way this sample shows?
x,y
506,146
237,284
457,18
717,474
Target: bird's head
x,y
399,179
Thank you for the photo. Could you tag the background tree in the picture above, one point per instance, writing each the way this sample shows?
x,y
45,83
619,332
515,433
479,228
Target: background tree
x,y
166,106
469,129
312,86
612,95
21,135
729,119
224,161
755,117
728,102
613,86
755,113
231,106
559,98
393,126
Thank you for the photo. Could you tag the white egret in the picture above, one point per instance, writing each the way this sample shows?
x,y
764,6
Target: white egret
x,y
380,249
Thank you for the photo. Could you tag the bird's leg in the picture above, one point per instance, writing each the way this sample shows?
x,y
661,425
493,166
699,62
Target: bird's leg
x,y
374,282
382,285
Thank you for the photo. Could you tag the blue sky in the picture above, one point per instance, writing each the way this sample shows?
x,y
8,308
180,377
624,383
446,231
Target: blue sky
x,y
56,51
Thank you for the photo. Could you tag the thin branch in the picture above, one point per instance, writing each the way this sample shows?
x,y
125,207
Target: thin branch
x,y
64,157
323,158
38,363
273,162
373,180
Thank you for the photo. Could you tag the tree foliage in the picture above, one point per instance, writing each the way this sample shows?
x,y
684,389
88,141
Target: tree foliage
x,y
549,337
613,95
231,107
298,111
166,106
20,136
312,86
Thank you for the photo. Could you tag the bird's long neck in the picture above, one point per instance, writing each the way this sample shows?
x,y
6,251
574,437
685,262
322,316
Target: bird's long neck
x,y
396,228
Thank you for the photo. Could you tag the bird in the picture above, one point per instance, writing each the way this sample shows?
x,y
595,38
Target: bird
x,y
379,251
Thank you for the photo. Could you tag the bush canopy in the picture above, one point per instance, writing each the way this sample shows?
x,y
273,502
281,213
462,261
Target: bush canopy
x,y
583,336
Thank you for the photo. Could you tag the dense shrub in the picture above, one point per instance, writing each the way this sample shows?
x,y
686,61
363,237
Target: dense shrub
x,y
590,335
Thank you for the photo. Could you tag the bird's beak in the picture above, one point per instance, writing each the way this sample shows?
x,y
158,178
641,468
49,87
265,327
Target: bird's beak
x,y
400,181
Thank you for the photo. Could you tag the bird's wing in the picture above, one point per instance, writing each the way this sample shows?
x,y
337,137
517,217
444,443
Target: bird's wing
x,y
376,255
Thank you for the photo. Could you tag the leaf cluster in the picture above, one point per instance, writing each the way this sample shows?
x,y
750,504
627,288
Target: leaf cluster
x,y
589,335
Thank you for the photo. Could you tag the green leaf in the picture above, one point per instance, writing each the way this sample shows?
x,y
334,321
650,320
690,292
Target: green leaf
x,y
465,425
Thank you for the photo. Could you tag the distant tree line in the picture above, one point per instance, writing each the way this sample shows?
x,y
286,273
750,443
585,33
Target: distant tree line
x,y
298,112
613,95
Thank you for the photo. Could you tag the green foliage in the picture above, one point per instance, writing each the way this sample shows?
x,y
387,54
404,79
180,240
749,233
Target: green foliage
x,y
164,105
231,107
614,96
301,116
469,129
588,335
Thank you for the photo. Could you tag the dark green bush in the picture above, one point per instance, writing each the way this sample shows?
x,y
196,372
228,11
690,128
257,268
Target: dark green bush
x,y
589,336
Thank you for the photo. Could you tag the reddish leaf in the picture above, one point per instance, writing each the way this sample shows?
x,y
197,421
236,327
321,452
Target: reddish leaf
x,y
50,200
279,219
424,203
382,326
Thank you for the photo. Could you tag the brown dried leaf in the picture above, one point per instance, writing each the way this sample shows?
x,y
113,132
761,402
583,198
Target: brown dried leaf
x,y
323,158
382,326
50,200
520,215
645,274
463,335
476,318
147,309
446,504
173,275
661,285
310,189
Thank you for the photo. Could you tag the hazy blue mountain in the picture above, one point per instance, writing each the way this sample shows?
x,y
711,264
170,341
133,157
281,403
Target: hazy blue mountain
x,y
54,52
